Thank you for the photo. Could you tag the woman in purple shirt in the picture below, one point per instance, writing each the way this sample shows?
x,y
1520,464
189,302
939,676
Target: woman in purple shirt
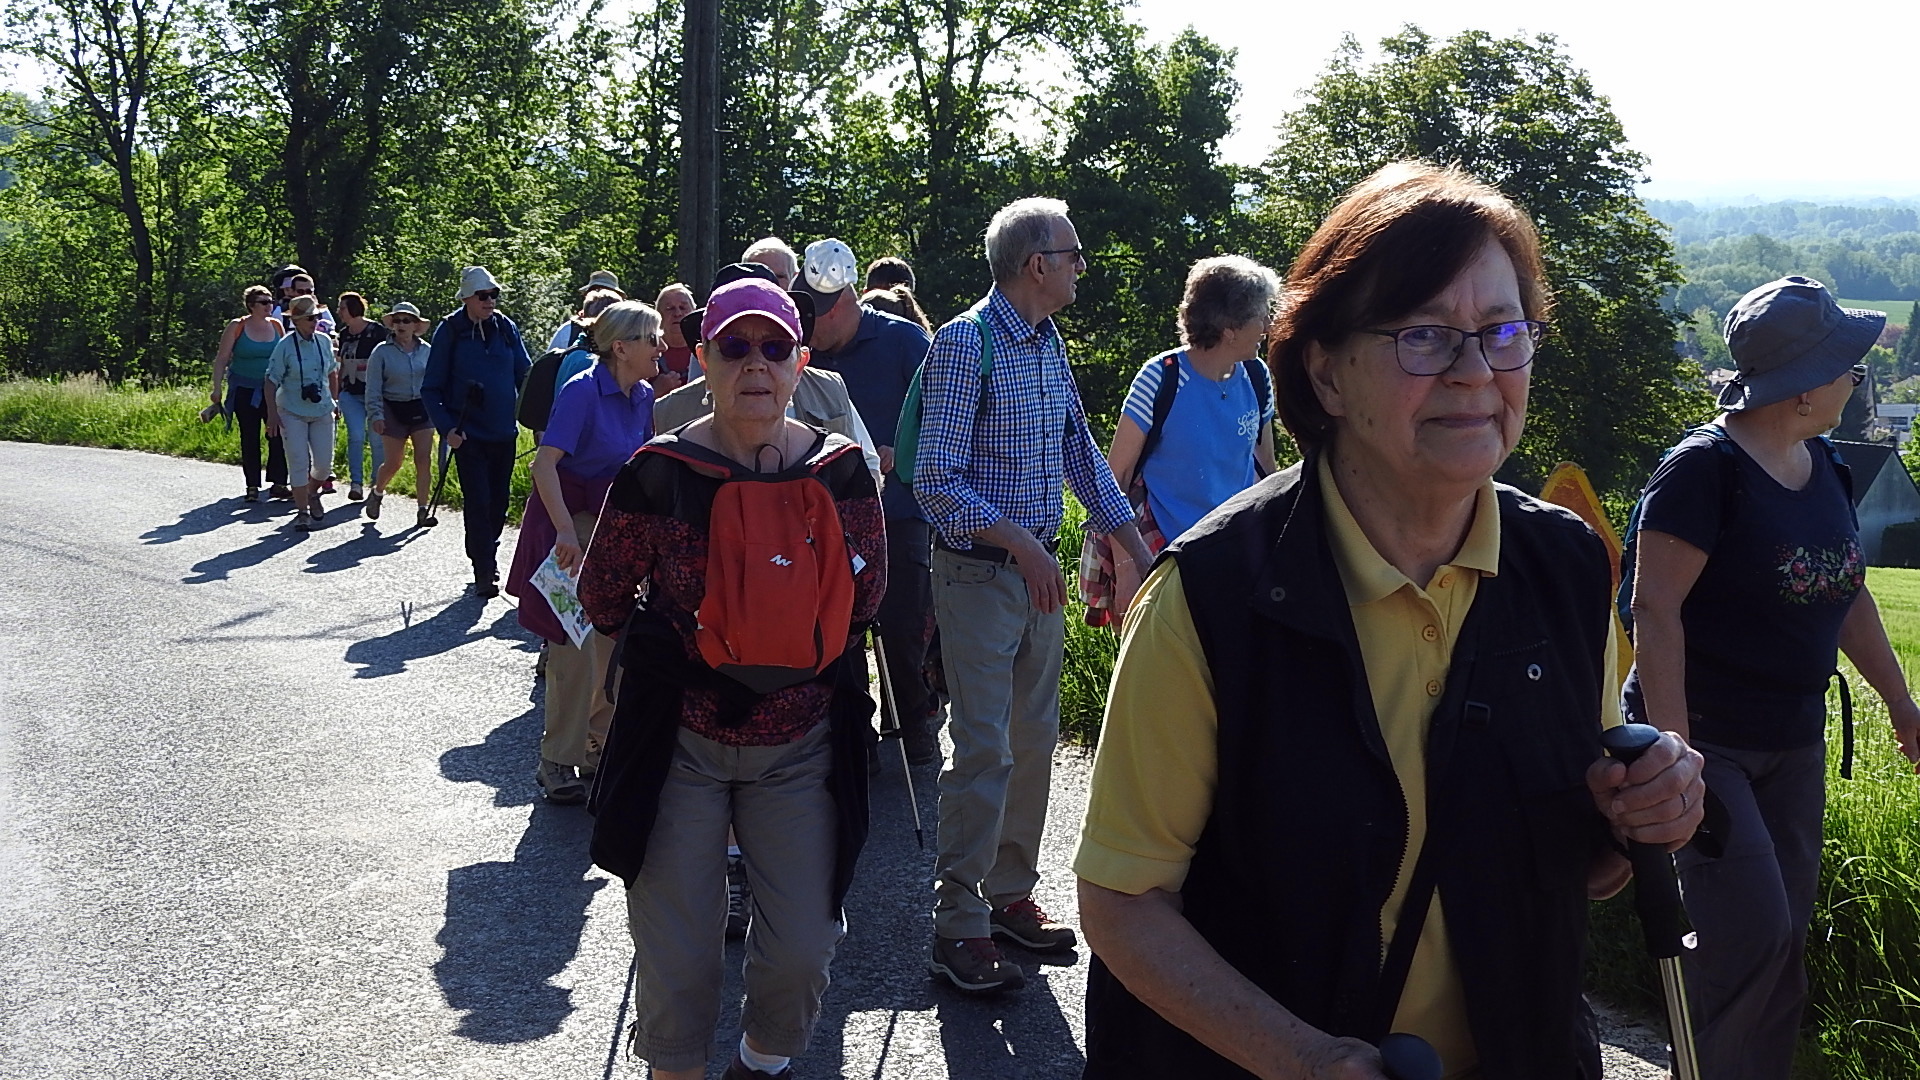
x,y
600,417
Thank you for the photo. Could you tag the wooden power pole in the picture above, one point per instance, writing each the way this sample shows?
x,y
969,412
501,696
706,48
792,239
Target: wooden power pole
x,y
700,143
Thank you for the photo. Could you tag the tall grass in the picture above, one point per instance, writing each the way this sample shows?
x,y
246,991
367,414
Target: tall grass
x,y
1087,668
84,411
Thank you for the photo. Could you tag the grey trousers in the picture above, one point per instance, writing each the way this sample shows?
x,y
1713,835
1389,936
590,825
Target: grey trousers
x,y
1747,979
776,799
1002,660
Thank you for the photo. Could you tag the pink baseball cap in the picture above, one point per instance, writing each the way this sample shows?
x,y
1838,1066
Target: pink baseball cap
x,y
748,296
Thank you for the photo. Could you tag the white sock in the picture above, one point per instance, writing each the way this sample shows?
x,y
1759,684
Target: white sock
x,y
765,1063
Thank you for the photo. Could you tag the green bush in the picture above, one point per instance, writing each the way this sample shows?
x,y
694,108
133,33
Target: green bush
x,y
82,410
1900,545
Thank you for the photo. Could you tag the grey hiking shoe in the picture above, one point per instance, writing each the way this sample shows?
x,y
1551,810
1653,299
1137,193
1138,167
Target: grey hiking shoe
x,y
373,504
1023,923
739,898
559,784
974,965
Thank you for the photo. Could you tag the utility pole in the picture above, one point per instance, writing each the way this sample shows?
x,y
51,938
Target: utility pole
x,y
699,143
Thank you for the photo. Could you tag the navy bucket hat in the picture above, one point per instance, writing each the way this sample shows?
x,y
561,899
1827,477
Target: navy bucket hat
x,y
1790,336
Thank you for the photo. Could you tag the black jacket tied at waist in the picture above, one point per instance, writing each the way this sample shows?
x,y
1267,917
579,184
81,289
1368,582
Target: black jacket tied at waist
x,y
1309,827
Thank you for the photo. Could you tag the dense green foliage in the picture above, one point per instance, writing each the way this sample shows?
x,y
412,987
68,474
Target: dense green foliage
x,y
186,149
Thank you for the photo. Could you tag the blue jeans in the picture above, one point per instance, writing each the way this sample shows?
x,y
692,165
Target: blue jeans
x,y
353,408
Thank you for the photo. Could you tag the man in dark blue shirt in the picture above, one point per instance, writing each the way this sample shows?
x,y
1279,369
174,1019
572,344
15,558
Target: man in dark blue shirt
x,y
877,354
473,379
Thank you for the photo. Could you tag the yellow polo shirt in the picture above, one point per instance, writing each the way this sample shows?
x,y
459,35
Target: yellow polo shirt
x,y
1156,767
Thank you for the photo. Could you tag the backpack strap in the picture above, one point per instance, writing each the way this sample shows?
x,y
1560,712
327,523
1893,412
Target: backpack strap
x,y
1163,396
1262,380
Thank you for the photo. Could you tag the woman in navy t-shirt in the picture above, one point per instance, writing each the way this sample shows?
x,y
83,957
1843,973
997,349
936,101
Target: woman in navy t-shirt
x,y
1749,581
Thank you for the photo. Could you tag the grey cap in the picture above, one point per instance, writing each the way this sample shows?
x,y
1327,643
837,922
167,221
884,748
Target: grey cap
x,y
1790,336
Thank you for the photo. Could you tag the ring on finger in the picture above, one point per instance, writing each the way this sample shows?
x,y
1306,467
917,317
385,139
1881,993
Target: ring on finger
x,y
1685,806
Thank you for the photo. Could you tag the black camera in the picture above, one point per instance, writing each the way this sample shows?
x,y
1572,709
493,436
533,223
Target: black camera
x,y
311,392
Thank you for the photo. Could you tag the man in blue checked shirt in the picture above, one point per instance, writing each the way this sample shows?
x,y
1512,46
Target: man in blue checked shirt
x,y
991,463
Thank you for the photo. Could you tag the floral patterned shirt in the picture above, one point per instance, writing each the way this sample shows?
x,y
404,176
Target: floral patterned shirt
x,y
652,534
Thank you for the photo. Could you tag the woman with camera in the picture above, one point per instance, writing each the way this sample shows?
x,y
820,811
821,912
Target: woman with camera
x,y
303,378
395,412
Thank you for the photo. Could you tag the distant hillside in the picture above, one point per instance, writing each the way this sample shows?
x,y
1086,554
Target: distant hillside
x,y
1871,252
1790,221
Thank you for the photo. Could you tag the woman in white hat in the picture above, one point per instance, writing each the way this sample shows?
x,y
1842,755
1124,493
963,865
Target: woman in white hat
x,y
303,378
395,411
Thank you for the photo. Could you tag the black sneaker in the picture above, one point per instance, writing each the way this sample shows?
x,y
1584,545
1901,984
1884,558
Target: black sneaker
x,y
974,965
425,519
486,589
252,495
279,492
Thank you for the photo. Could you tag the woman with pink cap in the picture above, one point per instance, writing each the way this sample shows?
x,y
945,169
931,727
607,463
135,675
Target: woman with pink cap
x,y
694,749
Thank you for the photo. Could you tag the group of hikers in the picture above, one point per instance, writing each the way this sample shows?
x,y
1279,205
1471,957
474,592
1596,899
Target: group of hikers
x,y
1348,781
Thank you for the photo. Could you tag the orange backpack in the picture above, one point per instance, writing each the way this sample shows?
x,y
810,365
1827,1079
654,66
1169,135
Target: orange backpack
x,y
779,590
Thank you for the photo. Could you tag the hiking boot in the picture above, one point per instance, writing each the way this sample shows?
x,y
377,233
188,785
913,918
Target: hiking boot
x,y
486,589
739,1071
354,494
559,784
425,519
302,523
1023,923
922,740
252,495
279,491
974,965
739,898
315,508
373,504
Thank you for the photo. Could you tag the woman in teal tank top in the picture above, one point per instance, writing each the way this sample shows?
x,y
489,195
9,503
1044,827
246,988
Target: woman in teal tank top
x,y
241,364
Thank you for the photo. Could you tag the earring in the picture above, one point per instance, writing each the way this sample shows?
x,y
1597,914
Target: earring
x,y
1805,409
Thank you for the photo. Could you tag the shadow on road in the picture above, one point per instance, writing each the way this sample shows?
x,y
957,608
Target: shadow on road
x,y
369,544
512,926
205,519
449,628
504,760
220,566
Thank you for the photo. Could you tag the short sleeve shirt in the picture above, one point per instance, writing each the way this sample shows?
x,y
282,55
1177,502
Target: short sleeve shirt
x,y
1205,453
1763,620
596,425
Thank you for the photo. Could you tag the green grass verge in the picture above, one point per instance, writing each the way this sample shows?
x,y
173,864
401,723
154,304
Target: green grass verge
x,y
1897,311
85,411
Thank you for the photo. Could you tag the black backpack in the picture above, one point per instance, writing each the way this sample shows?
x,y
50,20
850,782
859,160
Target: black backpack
x,y
538,392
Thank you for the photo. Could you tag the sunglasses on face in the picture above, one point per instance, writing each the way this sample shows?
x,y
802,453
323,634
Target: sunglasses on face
x,y
487,294
306,318
776,350
257,302
404,320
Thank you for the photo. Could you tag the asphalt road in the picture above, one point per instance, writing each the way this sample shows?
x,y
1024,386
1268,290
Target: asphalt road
x,y
267,810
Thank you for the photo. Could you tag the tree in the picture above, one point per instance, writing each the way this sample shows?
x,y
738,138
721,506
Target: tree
x,y
111,60
1142,171
1608,389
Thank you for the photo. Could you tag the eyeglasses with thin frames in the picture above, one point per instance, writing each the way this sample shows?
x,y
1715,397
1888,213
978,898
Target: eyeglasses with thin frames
x,y
1430,350
1079,253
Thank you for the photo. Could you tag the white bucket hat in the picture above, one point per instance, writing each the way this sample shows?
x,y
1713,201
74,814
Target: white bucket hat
x,y
475,279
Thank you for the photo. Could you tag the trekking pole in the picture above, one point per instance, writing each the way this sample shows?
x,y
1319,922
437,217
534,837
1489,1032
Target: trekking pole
x,y
446,454
892,713
1409,1057
1656,900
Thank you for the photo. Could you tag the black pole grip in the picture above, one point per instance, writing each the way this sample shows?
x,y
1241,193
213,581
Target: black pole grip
x,y
1409,1057
1656,888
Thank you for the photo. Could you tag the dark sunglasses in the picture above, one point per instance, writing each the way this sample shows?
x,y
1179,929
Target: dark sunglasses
x,y
776,350
260,302
404,320
487,294
1859,373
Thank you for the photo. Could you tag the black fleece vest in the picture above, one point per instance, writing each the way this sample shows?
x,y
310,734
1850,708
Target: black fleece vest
x,y
1309,825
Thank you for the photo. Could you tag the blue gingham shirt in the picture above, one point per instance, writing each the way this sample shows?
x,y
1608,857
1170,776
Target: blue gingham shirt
x,y
977,465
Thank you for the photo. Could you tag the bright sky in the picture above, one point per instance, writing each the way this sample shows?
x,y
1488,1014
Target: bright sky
x,y
1722,97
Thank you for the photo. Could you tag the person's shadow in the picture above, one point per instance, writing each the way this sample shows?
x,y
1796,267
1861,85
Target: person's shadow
x,y
882,963
512,926
220,566
205,519
370,544
449,628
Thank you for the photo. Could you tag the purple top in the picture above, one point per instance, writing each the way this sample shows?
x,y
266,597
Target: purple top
x,y
596,425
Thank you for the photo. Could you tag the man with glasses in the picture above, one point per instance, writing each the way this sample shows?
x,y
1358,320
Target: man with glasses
x,y
994,451
474,374
877,354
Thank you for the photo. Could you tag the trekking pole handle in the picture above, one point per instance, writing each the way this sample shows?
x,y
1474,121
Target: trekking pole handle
x,y
1409,1057
1656,887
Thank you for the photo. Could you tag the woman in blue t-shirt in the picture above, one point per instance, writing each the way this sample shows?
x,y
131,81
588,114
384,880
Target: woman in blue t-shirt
x,y
1218,437
1748,582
